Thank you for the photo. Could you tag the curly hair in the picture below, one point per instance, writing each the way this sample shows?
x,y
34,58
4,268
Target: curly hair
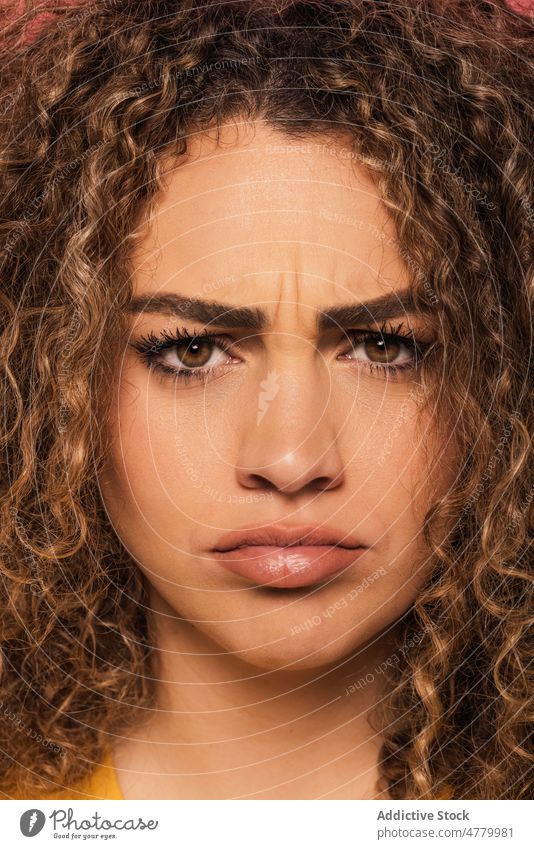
x,y
437,101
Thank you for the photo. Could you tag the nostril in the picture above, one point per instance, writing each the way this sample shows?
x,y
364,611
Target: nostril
x,y
262,483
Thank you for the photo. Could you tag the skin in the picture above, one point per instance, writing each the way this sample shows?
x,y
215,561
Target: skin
x,y
259,220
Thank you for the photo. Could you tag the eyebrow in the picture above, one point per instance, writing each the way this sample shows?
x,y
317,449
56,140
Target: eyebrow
x,y
235,317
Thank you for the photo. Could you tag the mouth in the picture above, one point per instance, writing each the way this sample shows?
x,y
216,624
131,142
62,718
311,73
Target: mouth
x,y
295,566
287,557
284,536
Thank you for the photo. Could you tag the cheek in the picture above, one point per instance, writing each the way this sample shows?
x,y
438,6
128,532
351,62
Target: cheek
x,y
388,445
166,459
400,465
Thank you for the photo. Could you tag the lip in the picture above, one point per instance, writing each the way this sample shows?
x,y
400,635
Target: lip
x,y
287,557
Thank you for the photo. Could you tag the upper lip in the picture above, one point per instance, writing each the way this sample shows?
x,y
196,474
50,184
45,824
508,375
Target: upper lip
x,y
285,535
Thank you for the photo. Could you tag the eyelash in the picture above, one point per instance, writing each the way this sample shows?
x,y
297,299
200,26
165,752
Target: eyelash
x,y
151,345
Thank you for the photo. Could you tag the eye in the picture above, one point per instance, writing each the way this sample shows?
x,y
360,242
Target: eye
x,y
198,353
384,352
185,356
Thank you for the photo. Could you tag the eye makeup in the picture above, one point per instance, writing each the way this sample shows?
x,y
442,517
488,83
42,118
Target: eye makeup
x,y
157,350
387,352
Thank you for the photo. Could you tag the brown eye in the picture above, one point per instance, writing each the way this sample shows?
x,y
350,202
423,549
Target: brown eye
x,y
382,350
186,356
195,353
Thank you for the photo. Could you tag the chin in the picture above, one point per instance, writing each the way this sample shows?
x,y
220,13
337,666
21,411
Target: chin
x,y
290,661
277,649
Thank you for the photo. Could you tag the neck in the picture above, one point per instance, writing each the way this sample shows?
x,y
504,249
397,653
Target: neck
x,y
226,729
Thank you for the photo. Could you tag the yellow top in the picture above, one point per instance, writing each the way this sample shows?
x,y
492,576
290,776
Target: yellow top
x,y
102,783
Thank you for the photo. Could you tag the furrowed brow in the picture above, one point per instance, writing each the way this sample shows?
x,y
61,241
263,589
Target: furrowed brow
x,y
379,309
206,312
236,317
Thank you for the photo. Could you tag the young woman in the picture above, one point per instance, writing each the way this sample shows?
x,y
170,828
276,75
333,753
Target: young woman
x,y
266,349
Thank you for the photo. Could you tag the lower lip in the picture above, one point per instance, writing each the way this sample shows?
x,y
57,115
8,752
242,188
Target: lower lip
x,y
294,566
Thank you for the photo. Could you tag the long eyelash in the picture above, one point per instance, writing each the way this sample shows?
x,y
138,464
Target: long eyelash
x,y
150,345
387,331
154,344
400,332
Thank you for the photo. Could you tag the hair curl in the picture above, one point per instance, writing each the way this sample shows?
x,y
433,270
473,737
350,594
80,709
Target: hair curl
x,y
436,98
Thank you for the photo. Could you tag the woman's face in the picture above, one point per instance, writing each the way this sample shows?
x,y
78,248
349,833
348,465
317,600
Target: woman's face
x,y
303,421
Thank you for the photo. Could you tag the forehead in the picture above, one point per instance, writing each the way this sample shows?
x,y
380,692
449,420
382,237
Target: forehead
x,y
255,206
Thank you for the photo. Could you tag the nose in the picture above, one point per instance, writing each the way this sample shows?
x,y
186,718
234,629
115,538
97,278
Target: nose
x,y
291,443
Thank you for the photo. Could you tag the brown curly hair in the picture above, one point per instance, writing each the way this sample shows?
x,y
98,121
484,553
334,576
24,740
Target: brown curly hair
x,y
437,98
